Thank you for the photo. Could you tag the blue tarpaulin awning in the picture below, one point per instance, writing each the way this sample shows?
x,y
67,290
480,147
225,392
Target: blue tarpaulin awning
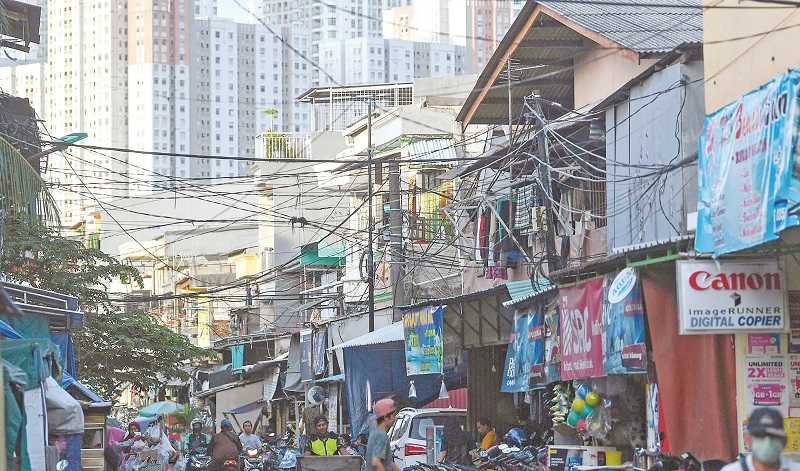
x,y
255,405
330,379
525,290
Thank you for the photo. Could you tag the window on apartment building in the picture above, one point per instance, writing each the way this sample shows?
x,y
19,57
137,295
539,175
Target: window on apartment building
x,y
216,34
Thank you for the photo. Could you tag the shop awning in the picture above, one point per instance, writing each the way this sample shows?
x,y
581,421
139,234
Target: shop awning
x,y
67,381
525,290
330,379
390,333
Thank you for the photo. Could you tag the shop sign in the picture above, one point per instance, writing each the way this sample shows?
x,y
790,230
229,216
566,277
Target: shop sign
x,y
727,297
581,330
625,349
424,338
794,321
746,174
525,356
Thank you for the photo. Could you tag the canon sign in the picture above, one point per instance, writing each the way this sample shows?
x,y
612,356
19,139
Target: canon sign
x,y
731,296
702,280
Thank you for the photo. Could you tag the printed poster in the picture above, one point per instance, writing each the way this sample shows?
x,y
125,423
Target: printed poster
x,y
525,355
763,344
794,381
424,337
581,329
792,427
746,166
625,349
767,383
794,321
552,349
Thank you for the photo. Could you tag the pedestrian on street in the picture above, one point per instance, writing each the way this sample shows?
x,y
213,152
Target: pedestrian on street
x,y
249,439
765,427
379,453
223,445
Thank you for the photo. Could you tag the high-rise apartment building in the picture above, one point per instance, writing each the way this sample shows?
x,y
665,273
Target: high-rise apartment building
x,y
237,94
85,89
159,91
487,23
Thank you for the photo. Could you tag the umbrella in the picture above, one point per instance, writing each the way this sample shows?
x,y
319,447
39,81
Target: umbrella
x,y
160,408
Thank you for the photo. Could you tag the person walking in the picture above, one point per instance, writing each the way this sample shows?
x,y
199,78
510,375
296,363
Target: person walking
x,y
765,427
223,445
379,453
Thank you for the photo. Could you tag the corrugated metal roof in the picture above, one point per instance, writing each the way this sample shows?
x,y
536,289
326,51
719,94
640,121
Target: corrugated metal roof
x,y
433,149
390,333
525,290
661,26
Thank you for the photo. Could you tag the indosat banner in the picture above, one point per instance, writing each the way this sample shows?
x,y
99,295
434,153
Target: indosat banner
x,y
747,174
731,296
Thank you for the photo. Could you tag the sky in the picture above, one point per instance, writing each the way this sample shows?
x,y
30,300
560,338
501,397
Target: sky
x,y
229,9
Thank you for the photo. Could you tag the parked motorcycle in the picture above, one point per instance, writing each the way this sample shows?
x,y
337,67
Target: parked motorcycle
x,y
282,455
230,464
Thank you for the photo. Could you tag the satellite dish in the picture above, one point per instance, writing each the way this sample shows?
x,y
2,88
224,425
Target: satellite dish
x,y
315,396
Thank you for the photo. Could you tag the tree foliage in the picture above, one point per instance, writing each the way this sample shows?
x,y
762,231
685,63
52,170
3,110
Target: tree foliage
x,y
114,347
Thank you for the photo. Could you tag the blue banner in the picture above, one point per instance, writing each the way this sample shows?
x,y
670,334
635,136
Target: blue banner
x,y
525,357
747,178
424,337
625,350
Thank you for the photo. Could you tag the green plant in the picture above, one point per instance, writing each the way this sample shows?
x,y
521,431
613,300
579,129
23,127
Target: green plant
x,y
22,190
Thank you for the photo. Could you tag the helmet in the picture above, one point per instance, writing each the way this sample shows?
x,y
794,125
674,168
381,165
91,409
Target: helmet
x,y
226,424
197,425
516,437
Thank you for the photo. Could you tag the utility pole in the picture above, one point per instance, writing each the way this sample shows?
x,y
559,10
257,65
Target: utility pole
x,y
370,256
397,272
553,260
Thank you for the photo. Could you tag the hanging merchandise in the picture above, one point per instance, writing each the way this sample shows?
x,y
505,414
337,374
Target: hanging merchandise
x,y
581,329
412,391
623,323
552,347
559,403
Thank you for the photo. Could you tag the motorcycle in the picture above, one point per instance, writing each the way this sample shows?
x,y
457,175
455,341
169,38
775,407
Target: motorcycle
x,y
198,459
230,464
282,455
252,460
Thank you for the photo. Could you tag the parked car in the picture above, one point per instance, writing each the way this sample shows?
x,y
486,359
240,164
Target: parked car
x,y
407,435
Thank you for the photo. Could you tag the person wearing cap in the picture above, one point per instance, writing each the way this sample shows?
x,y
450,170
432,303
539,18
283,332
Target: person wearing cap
x,y
223,445
379,453
765,427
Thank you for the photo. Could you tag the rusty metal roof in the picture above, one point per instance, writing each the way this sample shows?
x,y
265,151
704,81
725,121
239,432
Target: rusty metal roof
x,y
542,44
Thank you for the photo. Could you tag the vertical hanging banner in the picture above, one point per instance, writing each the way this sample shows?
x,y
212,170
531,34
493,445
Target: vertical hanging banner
x,y
306,367
525,356
746,172
625,349
424,337
320,351
581,329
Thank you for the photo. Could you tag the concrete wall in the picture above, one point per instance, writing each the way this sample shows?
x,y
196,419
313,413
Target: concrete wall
x,y
644,130
734,67
236,397
600,72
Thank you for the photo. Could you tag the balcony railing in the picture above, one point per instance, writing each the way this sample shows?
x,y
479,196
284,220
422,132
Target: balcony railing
x,y
281,145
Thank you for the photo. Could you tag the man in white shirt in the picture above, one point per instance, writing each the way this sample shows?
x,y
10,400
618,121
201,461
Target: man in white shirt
x,y
765,427
248,438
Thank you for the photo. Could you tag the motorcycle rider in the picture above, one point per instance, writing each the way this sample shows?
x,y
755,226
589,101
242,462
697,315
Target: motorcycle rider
x,y
322,442
765,428
196,438
249,439
224,445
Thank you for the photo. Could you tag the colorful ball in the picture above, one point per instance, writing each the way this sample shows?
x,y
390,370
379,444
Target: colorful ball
x,y
578,405
587,409
573,418
593,398
582,391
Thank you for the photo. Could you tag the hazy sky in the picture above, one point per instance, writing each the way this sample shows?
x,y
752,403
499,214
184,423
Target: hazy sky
x,y
230,10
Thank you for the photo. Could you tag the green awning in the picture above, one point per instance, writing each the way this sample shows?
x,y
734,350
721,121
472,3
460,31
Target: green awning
x,y
322,255
524,290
